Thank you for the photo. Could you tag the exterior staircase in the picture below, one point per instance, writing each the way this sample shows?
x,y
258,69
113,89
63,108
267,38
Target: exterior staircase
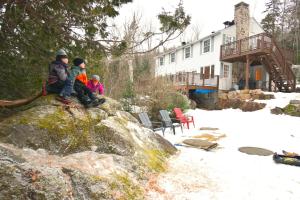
x,y
264,49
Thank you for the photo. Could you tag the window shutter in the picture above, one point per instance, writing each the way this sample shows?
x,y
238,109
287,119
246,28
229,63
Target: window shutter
x,y
191,51
206,72
212,71
201,73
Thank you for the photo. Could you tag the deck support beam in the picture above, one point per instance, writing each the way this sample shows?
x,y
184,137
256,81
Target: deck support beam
x,y
247,72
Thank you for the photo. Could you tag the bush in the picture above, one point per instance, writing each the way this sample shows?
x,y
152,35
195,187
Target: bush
x,y
168,102
159,94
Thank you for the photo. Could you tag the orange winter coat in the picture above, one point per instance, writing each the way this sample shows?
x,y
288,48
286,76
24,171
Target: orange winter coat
x,y
83,78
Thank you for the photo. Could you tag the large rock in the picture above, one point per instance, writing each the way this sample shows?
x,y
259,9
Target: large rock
x,y
245,106
64,130
29,174
256,92
292,109
245,96
222,95
252,106
233,95
49,152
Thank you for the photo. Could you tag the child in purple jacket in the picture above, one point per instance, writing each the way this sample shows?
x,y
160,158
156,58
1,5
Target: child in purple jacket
x,y
95,86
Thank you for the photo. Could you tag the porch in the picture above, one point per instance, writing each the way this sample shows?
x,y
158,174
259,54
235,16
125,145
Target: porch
x,y
263,49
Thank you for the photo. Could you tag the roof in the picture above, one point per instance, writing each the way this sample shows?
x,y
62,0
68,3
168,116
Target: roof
x,y
188,44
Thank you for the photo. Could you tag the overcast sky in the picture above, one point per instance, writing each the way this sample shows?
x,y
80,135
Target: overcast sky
x,y
208,15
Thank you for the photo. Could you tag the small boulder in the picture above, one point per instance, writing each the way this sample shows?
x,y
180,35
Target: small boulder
x,y
277,111
245,96
222,95
256,92
246,91
295,102
233,95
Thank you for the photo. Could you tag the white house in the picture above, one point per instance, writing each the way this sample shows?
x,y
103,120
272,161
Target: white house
x,y
203,56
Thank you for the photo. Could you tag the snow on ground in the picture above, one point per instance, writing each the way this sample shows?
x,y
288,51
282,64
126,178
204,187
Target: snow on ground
x,y
226,173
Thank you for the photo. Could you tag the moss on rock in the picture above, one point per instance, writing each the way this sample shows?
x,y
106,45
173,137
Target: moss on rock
x,y
292,110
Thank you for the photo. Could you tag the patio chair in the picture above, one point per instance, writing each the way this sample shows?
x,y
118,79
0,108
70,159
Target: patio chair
x,y
167,121
146,122
184,119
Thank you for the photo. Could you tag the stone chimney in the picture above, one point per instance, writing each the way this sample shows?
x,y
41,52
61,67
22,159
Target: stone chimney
x,y
241,19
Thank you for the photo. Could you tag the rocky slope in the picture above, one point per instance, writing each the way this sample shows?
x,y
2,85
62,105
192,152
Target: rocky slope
x,y
52,151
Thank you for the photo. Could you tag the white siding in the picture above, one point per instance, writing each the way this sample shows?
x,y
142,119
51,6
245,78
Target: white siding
x,y
255,28
200,59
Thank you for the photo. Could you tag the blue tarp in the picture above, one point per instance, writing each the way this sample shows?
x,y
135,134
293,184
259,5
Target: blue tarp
x,y
203,91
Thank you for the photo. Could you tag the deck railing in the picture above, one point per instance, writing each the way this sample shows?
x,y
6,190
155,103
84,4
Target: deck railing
x,y
252,44
261,44
192,79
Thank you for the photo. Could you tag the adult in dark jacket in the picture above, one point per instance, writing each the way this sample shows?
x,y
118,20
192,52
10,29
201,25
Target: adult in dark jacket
x,y
58,72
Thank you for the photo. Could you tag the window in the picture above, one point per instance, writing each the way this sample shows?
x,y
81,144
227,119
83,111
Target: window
x,y
212,71
187,52
225,71
172,57
201,73
161,61
206,46
206,72
228,39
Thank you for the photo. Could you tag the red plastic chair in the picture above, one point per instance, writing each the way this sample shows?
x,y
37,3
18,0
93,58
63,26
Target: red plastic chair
x,y
184,119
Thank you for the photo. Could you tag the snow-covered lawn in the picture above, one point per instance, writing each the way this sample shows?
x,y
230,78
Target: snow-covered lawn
x,y
225,173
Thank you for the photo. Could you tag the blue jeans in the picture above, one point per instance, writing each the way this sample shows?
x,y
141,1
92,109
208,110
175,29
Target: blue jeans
x,y
67,89
55,87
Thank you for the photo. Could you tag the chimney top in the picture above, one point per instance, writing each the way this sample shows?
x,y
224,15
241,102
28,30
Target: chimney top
x,y
241,4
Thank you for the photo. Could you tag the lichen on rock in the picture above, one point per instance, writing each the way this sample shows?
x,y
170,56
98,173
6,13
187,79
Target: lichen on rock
x,y
46,152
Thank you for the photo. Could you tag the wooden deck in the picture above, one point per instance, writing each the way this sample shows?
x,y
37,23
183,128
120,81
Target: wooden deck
x,y
264,49
186,81
255,46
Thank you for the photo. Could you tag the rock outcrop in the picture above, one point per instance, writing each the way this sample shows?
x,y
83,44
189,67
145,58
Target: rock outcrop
x,y
243,100
246,95
292,109
53,151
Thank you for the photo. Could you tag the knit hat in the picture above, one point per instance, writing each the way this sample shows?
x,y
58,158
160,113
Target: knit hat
x,y
96,77
78,61
61,52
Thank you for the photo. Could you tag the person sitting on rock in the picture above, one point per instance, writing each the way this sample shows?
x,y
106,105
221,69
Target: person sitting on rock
x,y
95,86
77,79
58,72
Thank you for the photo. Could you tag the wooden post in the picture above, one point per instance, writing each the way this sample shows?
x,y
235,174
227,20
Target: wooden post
x,y
239,47
187,81
247,72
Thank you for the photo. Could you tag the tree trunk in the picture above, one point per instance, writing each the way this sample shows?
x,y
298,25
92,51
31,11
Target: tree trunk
x,y
19,102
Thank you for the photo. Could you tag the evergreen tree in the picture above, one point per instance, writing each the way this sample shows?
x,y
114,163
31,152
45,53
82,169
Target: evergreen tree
x,y
31,32
271,21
